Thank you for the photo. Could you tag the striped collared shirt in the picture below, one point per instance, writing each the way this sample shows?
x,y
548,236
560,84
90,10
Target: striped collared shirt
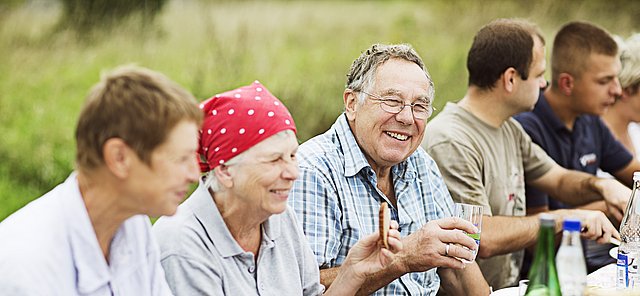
x,y
336,200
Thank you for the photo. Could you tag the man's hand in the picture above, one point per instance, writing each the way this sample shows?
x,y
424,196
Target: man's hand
x,y
616,195
595,225
369,256
427,247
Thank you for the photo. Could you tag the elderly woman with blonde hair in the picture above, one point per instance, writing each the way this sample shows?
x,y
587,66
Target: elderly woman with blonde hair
x,y
235,235
624,116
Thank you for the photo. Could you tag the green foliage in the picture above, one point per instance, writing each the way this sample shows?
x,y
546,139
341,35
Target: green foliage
x,y
300,50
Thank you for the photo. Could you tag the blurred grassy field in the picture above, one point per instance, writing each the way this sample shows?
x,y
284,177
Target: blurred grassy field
x,y
300,50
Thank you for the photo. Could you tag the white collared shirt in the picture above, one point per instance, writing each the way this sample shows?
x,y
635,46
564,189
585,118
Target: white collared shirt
x,y
49,247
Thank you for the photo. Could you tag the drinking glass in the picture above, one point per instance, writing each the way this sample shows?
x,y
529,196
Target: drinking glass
x,y
522,287
473,214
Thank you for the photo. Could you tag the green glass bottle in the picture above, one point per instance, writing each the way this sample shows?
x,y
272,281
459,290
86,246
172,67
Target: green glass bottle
x,y
543,277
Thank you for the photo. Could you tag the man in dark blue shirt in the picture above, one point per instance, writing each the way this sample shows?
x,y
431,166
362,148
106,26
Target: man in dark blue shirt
x,y
565,121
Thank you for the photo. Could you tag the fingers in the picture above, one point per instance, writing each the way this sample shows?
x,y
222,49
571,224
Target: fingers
x,y
598,227
622,204
387,256
451,262
458,237
616,235
369,240
458,252
395,244
394,224
456,223
616,213
394,235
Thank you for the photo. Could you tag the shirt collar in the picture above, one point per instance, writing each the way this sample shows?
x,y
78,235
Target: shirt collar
x,y
544,111
354,158
91,267
205,210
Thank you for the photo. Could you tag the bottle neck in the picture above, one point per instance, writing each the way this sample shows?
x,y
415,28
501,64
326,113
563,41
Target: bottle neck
x,y
571,238
632,206
545,248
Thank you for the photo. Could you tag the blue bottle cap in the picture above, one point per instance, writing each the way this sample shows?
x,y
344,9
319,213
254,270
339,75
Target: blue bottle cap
x,y
571,224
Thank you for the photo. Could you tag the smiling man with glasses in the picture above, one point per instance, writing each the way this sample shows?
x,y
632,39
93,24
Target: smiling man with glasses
x,y
372,155
394,104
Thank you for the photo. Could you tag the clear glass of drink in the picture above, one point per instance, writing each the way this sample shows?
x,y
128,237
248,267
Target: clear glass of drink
x,y
522,287
473,214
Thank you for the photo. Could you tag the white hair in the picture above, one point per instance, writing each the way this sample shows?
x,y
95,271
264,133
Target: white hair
x,y
630,60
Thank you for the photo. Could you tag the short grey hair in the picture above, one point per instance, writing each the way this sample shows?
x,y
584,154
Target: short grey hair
x,y
630,59
363,70
211,181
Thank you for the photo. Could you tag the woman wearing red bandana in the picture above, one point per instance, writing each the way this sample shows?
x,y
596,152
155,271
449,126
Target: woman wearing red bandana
x,y
235,234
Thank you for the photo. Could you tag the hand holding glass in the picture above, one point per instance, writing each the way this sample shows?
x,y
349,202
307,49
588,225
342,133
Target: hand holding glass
x,y
473,214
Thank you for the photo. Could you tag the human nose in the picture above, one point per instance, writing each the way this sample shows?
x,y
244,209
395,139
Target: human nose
x,y
290,171
193,170
406,114
617,88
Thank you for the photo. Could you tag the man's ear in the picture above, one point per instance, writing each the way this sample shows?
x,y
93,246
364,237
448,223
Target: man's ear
x,y
224,175
118,157
508,79
350,103
565,84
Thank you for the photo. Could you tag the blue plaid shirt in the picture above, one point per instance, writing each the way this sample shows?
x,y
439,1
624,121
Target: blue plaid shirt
x,y
337,200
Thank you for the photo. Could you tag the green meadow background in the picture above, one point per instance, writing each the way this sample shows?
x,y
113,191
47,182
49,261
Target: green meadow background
x,y
301,51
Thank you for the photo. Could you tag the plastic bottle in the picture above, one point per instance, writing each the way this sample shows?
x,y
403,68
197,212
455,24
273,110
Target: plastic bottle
x,y
627,265
543,278
572,271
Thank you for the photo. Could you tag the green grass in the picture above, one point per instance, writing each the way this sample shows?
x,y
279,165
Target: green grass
x,y
300,50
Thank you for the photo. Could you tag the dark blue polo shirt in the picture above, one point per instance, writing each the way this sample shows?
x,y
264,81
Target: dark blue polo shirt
x,y
588,147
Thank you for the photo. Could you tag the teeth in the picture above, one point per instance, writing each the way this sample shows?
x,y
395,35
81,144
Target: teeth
x,y
280,191
398,136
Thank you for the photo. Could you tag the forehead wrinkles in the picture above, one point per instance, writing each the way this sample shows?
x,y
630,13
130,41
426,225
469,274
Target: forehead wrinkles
x,y
420,96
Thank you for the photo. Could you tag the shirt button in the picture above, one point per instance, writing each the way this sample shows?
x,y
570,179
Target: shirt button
x,y
252,269
262,286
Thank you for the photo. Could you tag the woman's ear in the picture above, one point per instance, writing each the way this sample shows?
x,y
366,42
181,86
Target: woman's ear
x,y
118,157
224,175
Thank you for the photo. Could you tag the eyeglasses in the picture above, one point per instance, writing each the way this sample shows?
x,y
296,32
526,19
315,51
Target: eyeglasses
x,y
394,104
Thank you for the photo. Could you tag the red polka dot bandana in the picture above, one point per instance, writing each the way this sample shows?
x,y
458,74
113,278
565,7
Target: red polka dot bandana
x,y
237,120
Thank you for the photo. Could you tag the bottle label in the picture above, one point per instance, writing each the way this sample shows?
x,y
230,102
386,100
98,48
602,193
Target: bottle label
x,y
622,271
627,270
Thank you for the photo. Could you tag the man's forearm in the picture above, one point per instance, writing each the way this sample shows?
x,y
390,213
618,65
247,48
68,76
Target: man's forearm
x,y
577,189
371,284
467,281
573,188
328,275
497,239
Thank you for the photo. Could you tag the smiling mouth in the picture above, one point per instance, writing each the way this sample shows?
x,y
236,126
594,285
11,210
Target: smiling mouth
x,y
399,137
280,192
